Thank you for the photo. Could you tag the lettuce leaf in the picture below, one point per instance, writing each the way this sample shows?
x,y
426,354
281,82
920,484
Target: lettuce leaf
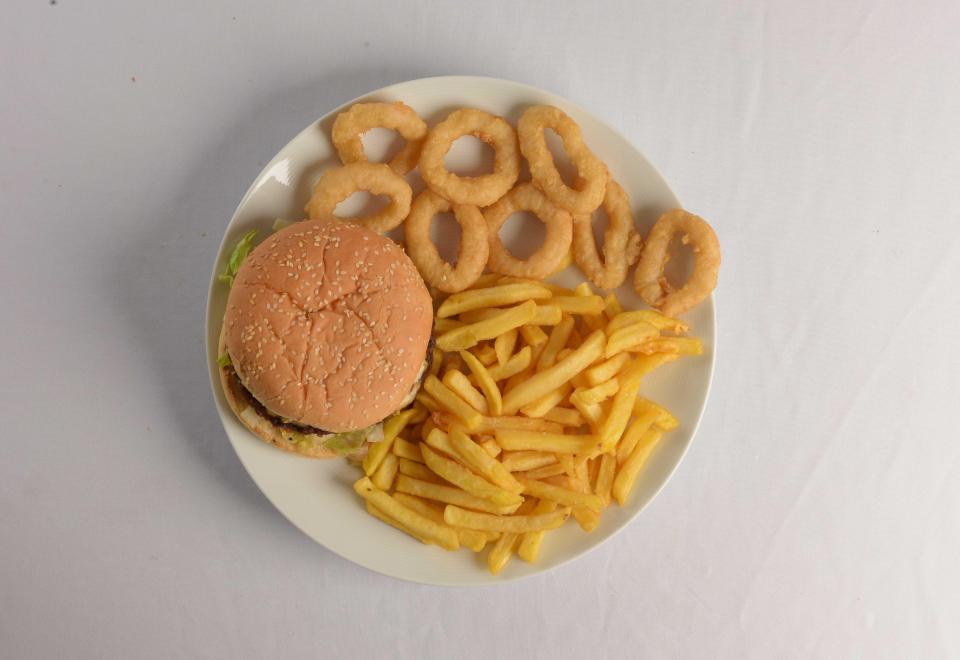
x,y
224,360
345,443
240,252
280,223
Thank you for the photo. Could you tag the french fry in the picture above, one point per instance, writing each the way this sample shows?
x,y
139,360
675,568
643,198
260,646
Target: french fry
x,y
416,470
656,319
547,402
565,416
529,548
646,414
428,401
565,496
516,423
580,380
494,296
406,449
420,413
550,379
502,550
543,472
488,425
424,528
608,468
517,363
504,344
555,289
487,355
516,379
454,515
438,440
594,322
477,315
558,339
513,440
481,462
665,419
606,369
611,306
469,538
678,345
391,429
587,518
566,460
428,425
598,393
583,289
613,425
385,474
460,476
580,305
436,362
473,333
453,363
627,474
488,385
533,335
547,315
484,281
592,412
647,363
593,471
491,447
377,513
449,495
446,325
451,402
462,387
629,337
519,461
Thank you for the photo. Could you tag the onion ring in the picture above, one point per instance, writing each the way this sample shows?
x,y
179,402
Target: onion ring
x,y
634,245
337,184
592,173
611,271
471,255
649,280
546,260
477,190
351,124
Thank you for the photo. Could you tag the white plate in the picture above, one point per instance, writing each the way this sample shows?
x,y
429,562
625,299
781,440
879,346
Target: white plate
x,y
316,495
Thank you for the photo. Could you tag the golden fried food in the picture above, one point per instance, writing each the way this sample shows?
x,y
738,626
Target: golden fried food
x,y
351,124
479,190
650,282
336,184
547,258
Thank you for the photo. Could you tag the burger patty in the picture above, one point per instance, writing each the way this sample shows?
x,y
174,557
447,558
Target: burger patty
x,y
261,409
282,423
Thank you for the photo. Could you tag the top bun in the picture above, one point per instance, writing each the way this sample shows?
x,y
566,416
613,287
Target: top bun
x,y
327,325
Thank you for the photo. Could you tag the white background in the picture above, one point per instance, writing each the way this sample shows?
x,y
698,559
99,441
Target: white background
x,y
818,511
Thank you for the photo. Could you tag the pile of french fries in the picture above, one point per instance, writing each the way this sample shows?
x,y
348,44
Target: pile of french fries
x,y
530,413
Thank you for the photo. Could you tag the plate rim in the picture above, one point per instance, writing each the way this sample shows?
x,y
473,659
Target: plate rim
x,y
211,350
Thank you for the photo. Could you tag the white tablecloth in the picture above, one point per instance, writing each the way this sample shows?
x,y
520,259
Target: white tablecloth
x,y
818,511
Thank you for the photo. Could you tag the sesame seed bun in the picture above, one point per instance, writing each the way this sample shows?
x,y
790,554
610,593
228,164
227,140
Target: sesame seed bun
x,y
327,326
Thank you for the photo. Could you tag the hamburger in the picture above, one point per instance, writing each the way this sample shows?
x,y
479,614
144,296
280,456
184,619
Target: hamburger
x,y
327,332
